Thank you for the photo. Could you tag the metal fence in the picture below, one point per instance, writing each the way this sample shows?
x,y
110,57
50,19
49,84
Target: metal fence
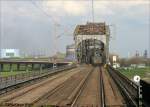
x,y
145,93
23,77
128,88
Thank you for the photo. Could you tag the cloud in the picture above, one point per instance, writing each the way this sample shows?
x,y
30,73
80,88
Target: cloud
x,y
70,7
24,20
75,7
83,7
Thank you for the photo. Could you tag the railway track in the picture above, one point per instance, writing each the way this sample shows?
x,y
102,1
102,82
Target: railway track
x,y
129,90
89,94
84,86
99,90
64,94
13,82
102,90
31,94
112,94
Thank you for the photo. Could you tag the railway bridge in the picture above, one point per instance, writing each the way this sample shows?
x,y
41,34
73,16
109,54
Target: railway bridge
x,y
92,42
89,83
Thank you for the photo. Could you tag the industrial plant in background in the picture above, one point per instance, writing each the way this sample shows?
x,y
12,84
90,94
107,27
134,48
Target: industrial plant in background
x,y
70,52
136,61
92,43
9,53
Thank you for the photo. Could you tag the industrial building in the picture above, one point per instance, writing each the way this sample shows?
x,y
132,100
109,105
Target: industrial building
x,y
9,53
70,52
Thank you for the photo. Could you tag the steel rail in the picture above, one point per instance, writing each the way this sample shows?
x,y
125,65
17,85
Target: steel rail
x,y
12,87
51,92
81,89
128,88
39,85
102,91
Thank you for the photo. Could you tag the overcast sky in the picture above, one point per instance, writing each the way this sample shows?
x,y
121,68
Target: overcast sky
x,y
30,25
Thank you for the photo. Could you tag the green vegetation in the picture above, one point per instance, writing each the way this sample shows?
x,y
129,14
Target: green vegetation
x,y
5,74
6,69
142,72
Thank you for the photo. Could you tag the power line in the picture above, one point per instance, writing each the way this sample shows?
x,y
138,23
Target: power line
x,y
45,13
48,15
56,24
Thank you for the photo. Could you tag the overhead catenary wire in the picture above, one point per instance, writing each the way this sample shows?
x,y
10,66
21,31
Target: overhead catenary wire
x,y
44,12
48,15
56,24
52,20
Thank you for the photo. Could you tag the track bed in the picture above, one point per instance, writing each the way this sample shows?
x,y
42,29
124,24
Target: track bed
x,y
85,86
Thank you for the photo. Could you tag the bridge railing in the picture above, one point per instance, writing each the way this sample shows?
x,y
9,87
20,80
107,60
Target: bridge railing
x,y
128,88
23,77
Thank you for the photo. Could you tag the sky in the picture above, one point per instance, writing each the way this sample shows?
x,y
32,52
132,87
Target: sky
x,y
31,25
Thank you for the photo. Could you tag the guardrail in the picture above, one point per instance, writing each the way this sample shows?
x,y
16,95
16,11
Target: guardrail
x,y
145,87
16,80
128,88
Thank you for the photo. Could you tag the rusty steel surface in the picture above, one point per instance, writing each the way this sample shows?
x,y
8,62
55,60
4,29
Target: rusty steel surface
x,y
91,28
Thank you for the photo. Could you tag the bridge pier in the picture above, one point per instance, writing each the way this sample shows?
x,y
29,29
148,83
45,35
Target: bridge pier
x,y
48,65
11,68
26,67
44,66
18,67
1,67
41,67
32,67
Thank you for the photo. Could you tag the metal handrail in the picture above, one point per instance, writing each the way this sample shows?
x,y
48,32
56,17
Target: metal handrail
x,y
21,78
129,89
